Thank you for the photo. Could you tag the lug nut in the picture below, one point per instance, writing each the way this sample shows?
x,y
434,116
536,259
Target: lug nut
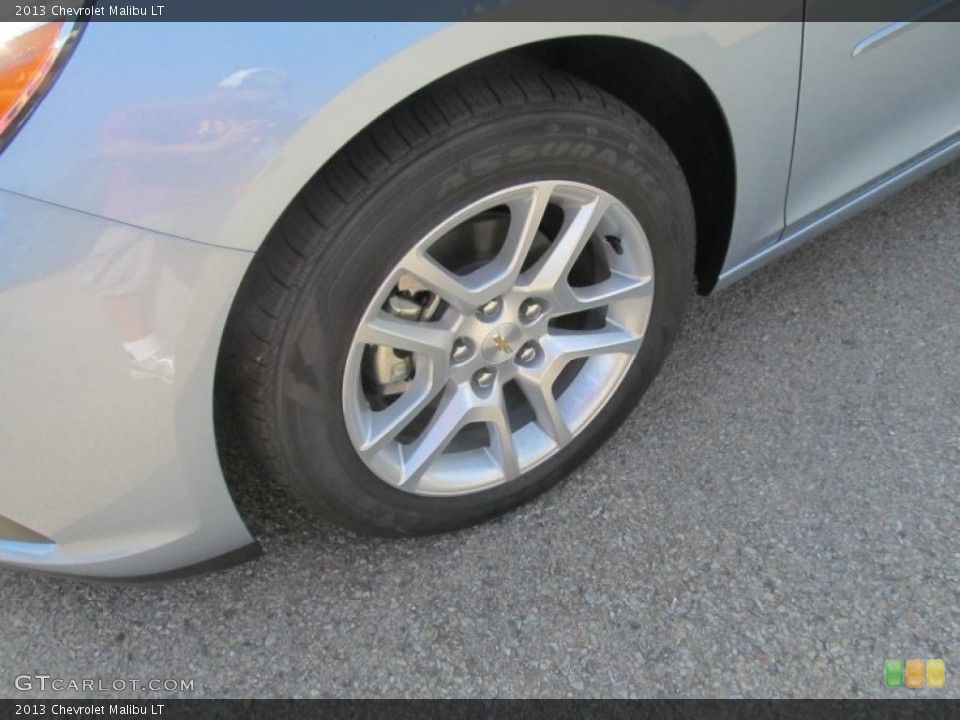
x,y
531,310
490,310
484,378
460,350
527,354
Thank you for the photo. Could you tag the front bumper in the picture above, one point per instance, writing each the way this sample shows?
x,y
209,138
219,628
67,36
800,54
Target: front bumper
x,y
106,471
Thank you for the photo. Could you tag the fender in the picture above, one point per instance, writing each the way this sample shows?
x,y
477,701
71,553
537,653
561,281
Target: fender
x,y
234,199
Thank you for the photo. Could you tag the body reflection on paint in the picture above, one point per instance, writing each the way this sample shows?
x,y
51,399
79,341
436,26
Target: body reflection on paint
x,y
146,150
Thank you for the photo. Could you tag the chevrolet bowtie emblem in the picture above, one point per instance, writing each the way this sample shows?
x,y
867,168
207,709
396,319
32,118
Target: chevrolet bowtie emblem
x,y
501,344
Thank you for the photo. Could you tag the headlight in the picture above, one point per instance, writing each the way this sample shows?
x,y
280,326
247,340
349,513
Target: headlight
x,y
31,55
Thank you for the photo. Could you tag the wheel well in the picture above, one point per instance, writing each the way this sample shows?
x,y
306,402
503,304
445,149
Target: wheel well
x,y
661,88
680,106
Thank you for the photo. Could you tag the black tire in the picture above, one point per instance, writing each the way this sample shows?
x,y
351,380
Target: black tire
x,y
329,252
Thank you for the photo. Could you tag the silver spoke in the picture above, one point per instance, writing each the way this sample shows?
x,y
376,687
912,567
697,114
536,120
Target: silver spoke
x,y
526,214
501,441
538,391
618,287
452,414
385,425
563,346
552,269
428,339
441,281
499,274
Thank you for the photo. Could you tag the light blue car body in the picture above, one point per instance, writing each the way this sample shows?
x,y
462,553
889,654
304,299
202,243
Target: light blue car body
x,y
107,475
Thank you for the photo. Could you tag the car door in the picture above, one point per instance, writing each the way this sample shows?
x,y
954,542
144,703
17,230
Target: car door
x,y
873,96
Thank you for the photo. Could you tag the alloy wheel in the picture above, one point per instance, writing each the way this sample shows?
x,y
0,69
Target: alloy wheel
x,y
497,338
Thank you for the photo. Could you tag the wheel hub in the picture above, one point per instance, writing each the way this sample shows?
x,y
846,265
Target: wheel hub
x,y
502,343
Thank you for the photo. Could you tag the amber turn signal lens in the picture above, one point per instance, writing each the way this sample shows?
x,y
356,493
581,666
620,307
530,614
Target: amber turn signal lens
x,y
27,52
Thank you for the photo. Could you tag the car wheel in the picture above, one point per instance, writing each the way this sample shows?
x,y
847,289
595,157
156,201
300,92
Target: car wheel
x,y
464,303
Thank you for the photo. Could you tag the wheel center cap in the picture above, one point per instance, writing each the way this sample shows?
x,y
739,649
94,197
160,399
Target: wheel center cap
x,y
502,343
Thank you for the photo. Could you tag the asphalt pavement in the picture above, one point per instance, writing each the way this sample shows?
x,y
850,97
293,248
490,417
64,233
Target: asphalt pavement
x,y
777,518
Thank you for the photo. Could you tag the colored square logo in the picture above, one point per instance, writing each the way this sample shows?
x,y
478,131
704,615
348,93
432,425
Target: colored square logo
x,y
936,671
893,673
914,674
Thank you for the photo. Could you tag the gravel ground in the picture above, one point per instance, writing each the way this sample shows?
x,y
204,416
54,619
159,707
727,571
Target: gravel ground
x,y
776,519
